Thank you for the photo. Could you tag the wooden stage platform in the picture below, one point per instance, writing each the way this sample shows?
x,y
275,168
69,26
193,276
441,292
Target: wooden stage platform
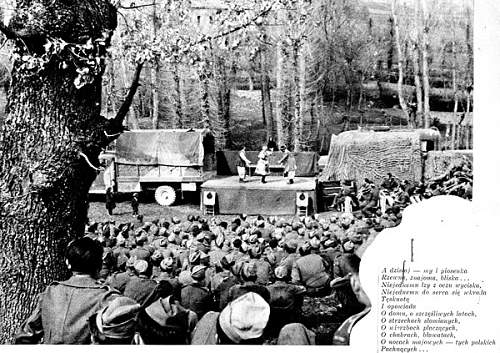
x,y
276,197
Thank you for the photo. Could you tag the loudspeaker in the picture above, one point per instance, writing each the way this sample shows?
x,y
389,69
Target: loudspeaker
x,y
302,199
209,198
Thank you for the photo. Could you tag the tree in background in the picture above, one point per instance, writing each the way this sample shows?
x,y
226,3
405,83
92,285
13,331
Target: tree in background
x,y
397,39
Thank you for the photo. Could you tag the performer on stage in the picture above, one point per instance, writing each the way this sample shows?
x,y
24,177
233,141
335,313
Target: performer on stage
x,y
290,166
243,164
262,168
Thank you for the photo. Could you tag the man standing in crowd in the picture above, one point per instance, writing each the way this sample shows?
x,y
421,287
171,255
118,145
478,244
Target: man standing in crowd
x,y
135,204
64,308
110,201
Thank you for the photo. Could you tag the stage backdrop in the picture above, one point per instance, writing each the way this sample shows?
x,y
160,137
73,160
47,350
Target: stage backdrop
x,y
307,162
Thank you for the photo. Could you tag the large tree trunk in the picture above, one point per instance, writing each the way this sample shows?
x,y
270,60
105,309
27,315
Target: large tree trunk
x,y
397,39
52,134
425,64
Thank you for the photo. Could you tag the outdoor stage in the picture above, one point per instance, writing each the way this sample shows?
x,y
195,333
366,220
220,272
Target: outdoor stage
x,y
276,197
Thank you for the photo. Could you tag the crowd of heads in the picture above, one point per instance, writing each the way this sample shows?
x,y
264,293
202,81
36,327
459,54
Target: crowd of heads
x,y
211,264
240,279
394,194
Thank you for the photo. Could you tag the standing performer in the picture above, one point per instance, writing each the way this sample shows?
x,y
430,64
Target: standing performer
x,y
262,168
291,164
243,164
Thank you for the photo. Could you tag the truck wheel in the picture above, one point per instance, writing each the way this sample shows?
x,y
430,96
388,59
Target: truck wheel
x,y
165,195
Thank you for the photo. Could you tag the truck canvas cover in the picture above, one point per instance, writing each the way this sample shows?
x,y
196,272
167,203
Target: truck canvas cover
x,y
183,148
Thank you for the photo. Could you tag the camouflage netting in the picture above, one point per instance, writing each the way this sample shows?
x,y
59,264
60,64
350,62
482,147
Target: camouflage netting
x,y
355,155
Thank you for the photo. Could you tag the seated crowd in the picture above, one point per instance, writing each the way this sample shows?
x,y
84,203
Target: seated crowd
x,y
217,281
394,193
206,281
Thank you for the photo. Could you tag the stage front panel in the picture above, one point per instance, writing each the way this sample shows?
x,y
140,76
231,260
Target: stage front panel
x,y
235,198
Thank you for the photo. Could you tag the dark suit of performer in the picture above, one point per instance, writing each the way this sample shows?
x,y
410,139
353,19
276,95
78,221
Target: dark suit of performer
x,y
243,163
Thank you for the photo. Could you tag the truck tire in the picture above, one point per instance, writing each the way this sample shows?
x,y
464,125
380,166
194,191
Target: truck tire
x,y
165,195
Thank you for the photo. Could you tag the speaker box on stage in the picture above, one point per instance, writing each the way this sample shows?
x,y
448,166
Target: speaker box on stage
x,y
302,199
209,198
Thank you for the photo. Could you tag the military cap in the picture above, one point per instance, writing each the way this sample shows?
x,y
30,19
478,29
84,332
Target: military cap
x,y
141,266
118,319
291,244
167,264
157,255
245,318
198,272
281,272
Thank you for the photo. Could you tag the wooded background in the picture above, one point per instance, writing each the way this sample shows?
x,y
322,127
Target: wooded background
x,y
298,72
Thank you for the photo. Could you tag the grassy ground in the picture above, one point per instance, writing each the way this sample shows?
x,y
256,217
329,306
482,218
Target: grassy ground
x,y
150,209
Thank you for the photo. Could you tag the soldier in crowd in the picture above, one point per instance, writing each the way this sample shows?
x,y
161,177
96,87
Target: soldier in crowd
x,y
291,254
141,288
286,300
115,323
311,270
204,266
110,201
134,203
389,183
140,251
64,308
195,296
248,276
166,321
242,321
357,304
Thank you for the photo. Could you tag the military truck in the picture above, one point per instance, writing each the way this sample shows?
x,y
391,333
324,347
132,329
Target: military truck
x,y
166,162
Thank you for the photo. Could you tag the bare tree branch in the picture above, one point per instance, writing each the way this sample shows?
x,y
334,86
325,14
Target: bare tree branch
x,y
122,112
136,6
240,27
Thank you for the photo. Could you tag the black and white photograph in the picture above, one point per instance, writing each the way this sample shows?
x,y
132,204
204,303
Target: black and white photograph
x,y
211,172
